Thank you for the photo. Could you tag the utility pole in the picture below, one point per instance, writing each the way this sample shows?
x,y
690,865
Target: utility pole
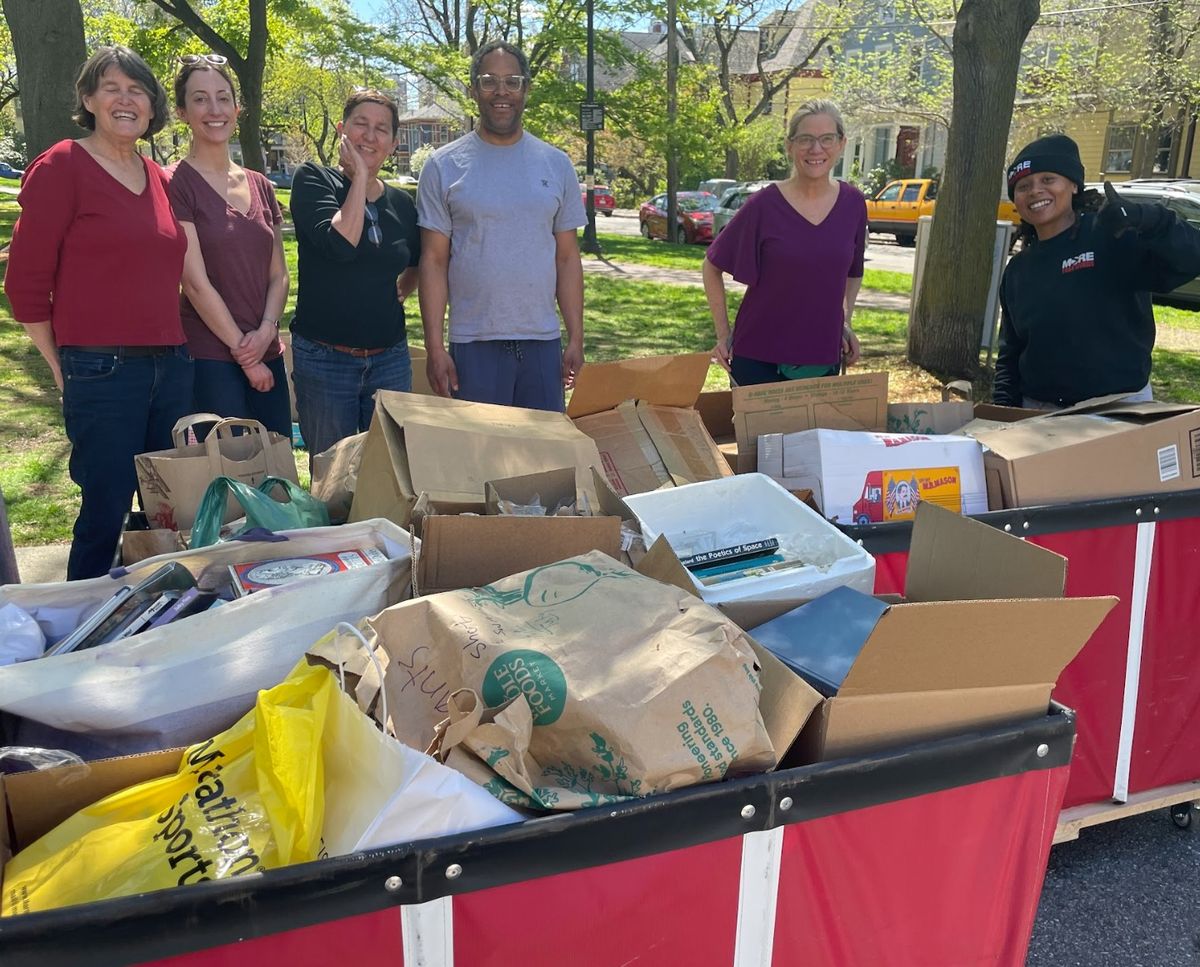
x,y
590,243
672,112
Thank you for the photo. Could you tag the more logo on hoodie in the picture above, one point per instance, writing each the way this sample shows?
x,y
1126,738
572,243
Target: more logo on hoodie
x,y
1084,260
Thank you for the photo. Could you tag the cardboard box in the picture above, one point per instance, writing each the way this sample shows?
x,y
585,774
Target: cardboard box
x,y
547,490
639,412
857,402
865,478
716,413
929,418
1100,448
33,803
981,639
449,449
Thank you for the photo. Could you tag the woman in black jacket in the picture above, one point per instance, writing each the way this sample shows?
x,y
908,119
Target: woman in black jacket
x,y
1076,317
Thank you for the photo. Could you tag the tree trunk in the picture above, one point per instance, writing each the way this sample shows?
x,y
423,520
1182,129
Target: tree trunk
x,y
48,43
731,162
944,336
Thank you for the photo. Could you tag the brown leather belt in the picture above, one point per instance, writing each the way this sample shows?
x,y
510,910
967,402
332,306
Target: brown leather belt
x,y
351,350
124,350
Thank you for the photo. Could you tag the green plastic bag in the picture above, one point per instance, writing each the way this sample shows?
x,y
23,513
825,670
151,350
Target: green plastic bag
x,y
262,510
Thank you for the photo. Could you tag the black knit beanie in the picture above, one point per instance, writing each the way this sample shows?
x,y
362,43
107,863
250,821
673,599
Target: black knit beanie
x,y
1055,152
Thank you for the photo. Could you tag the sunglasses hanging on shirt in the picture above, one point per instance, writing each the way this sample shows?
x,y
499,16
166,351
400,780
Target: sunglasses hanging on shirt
x,y
374,232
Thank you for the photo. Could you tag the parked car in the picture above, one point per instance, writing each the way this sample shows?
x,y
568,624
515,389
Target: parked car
x,y
717,186
1180,195
695,213
898,206
733,199
8,171
280,179
603,199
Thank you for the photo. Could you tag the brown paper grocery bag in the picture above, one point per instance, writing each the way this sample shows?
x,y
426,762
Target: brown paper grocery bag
x,y
335,476
172,482
623,686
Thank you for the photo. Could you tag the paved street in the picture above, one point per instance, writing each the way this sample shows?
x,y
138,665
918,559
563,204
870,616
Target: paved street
x,y
882,250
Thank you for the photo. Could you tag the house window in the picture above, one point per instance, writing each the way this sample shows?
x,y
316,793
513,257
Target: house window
x,y
882,146
1162,152
1119,155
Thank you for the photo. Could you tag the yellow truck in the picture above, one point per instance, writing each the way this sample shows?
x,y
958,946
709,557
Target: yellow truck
x,y
898,205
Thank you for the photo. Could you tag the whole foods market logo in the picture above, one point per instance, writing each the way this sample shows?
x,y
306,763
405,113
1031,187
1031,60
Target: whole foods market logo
x,y
531,674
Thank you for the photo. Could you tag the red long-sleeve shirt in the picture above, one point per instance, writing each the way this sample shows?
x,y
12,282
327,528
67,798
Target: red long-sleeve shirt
x,y
100,263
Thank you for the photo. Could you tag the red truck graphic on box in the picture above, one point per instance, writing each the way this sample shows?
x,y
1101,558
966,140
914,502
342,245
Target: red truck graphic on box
x,y
894,494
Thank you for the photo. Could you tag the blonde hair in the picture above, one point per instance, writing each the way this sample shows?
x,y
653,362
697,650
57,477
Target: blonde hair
x,y
818,105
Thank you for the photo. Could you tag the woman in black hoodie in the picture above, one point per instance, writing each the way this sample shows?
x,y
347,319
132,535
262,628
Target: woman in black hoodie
x,y
1076,319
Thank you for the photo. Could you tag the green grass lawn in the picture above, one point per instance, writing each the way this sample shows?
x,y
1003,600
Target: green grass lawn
x,y
624,318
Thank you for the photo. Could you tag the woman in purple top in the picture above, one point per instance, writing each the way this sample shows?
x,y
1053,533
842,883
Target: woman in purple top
x,y
235,279
798,245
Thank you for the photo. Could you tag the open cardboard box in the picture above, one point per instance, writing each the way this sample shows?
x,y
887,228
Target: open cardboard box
x,y
640,413
851,402
1106,447
449,449
33,803
979,639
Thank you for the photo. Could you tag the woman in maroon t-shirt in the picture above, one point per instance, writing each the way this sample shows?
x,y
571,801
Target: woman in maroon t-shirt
x,y
235,280
798,245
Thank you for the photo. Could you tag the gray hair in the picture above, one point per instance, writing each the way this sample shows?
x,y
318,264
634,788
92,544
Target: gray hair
x,y
490,48
818,105
130,64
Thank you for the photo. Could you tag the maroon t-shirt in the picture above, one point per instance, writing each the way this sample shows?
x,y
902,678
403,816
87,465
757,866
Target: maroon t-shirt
x,y
237,252
795,273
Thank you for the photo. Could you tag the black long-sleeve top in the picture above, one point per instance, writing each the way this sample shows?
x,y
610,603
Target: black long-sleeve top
x,y
346,294
1076,316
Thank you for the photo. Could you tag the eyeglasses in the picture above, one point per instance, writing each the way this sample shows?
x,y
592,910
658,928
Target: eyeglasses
x,y
805,141
374,232
489,83
215,59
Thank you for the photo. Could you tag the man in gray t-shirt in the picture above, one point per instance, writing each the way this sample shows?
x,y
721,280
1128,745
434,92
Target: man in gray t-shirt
x,y
498,211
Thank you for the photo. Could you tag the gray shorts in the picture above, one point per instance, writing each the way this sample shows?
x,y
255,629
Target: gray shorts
x,y
511,372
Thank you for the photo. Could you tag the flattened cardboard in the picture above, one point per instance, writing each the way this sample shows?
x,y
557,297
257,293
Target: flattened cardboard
x,y
467,551
688,452
664,380
1100,448
954,558
852,402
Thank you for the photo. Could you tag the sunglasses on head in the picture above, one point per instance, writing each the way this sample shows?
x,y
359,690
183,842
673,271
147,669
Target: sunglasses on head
x,y
216,59
513,83
374,232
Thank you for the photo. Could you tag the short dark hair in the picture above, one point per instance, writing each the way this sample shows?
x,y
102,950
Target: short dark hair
x,y
132,66
187,70
490,48
369,95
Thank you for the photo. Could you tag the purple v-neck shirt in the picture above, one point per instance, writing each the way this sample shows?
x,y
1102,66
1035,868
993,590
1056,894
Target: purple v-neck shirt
x,y
795,273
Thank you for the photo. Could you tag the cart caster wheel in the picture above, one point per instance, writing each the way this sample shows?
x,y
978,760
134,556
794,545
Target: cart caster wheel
x,y
1181,814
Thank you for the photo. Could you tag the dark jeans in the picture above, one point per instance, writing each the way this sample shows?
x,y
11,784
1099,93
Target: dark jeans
x,y
752,372
114,408
222,388
511,372
335,392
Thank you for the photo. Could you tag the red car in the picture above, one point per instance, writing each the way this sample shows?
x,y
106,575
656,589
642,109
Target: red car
x,y
604,201
695,213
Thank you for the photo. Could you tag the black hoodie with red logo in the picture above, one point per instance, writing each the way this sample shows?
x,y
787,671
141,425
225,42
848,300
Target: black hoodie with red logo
x,y
1076,319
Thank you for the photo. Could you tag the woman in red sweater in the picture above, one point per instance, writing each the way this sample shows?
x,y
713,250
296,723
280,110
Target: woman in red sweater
x,y
93,275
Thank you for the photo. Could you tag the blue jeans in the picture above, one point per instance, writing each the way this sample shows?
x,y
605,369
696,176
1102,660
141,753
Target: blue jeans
x,y
222,388
335,392
114,408
511,372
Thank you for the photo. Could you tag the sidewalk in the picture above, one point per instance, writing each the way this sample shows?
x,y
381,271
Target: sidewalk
x,y
42,564
635,272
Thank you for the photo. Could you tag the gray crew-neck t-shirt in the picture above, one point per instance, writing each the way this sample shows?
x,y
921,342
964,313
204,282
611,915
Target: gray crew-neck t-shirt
x,y
500,206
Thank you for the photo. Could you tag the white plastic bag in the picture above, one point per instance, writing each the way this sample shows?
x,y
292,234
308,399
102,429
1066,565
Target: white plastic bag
x,y
20,637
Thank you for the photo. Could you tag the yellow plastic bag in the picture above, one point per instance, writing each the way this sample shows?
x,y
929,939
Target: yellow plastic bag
x,y
250,799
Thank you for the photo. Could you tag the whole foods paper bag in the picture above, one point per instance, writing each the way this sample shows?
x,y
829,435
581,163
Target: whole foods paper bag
x,y
594,684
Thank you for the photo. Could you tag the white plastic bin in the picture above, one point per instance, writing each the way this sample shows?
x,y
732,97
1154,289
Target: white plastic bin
x,y
712,514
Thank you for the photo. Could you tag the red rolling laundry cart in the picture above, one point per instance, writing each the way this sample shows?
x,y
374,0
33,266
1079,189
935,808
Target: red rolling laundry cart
x,y
929,854
1133,685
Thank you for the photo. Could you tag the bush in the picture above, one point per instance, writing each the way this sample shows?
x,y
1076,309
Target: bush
x,y
417,161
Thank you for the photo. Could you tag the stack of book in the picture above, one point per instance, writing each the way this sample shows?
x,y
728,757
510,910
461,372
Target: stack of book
x,y
257,575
